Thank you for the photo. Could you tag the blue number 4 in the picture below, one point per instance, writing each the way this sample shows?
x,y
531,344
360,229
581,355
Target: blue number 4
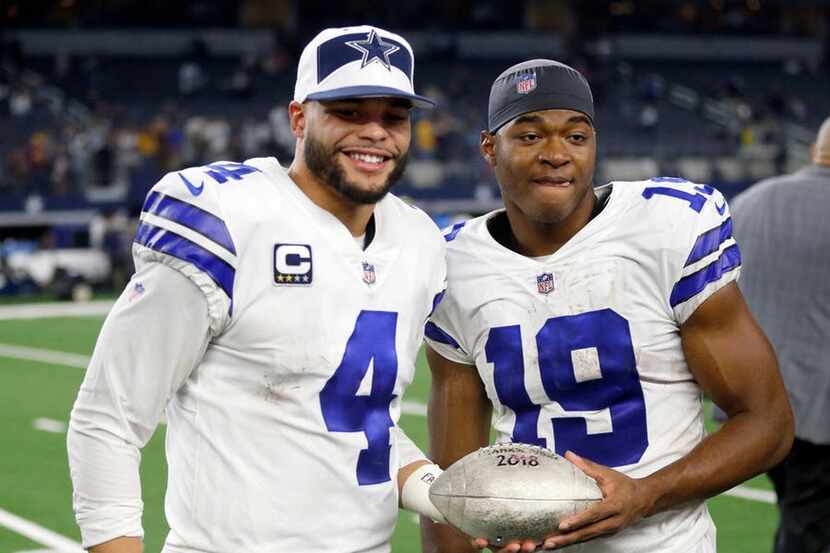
x,y
222,171
618,388
372,341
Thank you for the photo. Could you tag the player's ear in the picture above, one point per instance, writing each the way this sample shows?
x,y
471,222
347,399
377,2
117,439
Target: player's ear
x,y
297,118
488,147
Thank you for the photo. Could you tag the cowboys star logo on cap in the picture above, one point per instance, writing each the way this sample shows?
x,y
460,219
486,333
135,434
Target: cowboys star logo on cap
x,y
374,49
357,62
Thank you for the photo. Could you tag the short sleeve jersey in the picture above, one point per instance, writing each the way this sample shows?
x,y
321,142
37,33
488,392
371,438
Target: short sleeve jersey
x,y
283,437
581,350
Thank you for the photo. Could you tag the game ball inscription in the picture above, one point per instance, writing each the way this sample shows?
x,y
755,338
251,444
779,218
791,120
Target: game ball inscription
x,y
512,491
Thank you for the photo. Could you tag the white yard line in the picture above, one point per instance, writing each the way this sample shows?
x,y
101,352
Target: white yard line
x,y
39,534
413,408
49,425
65,309
44,356
753,494
407,407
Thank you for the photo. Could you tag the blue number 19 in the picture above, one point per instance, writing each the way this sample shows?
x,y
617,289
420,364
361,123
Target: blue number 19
x,y
372,341
618,390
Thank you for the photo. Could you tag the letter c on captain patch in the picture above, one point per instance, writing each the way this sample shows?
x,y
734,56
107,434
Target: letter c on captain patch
x,y
292,264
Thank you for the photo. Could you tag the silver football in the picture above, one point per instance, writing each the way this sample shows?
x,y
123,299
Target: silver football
x,y
512,492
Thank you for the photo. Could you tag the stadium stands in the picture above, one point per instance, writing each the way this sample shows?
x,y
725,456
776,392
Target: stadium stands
x,y
90,119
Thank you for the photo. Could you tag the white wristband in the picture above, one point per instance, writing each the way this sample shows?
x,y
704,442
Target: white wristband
x,y
415,492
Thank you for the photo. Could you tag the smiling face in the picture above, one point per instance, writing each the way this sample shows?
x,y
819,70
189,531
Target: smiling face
x,y
544,163
357,147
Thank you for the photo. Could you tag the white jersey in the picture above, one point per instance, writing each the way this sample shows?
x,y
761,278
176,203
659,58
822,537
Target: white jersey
x,y
282,421
581,350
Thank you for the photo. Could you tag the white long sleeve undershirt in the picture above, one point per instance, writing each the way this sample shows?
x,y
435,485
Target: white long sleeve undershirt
x,y
152,339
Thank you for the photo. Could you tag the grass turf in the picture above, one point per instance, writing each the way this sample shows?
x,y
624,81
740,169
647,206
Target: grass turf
x,y
34,479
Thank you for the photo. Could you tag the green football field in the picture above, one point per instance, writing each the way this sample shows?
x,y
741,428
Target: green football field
x,y
41,362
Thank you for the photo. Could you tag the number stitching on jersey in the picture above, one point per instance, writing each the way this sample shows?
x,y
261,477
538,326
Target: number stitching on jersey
x,y
223,171
618,389
372,341
696,201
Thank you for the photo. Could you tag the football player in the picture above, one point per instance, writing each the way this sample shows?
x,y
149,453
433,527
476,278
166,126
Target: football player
x,y
592,321
275,317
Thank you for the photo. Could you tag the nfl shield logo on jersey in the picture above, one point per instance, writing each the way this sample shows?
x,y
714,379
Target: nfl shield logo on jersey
x,y
544,283
368,273
526,83
292,264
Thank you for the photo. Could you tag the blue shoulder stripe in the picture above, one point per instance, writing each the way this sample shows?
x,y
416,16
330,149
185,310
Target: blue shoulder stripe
x,y
433,332
190,216
436,300
172,244
691,285
456,228
710,241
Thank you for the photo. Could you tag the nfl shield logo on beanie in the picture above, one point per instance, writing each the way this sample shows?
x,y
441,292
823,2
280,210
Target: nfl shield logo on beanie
x,y
526,82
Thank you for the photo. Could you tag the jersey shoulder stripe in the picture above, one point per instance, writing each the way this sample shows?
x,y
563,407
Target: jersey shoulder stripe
x,y
190,216
449,235
710,241
437,300
689,286
434,332
190,250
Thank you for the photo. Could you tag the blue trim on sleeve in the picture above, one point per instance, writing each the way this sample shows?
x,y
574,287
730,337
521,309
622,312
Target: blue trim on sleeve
x,y
190,216
456,228
691,285
436,300
710,241
433,332
172,244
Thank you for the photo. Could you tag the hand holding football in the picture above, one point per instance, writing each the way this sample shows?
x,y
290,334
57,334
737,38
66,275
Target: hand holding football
x,y
512,492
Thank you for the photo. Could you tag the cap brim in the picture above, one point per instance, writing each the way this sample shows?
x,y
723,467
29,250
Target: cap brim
x,y
372,92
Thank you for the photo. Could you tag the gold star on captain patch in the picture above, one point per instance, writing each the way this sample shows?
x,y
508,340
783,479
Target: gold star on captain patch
x,y
279,278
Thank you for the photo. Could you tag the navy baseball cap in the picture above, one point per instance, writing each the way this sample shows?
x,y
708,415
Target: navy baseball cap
x,y
537,85
357,62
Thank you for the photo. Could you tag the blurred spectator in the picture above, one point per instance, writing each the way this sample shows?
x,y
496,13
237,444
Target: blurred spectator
x,y
20,101
281,131
240,83
649,119
277,61
111,232
191,78
425,142
61,183
781,226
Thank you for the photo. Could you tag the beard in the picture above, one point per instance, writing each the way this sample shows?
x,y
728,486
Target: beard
x,y
323,164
